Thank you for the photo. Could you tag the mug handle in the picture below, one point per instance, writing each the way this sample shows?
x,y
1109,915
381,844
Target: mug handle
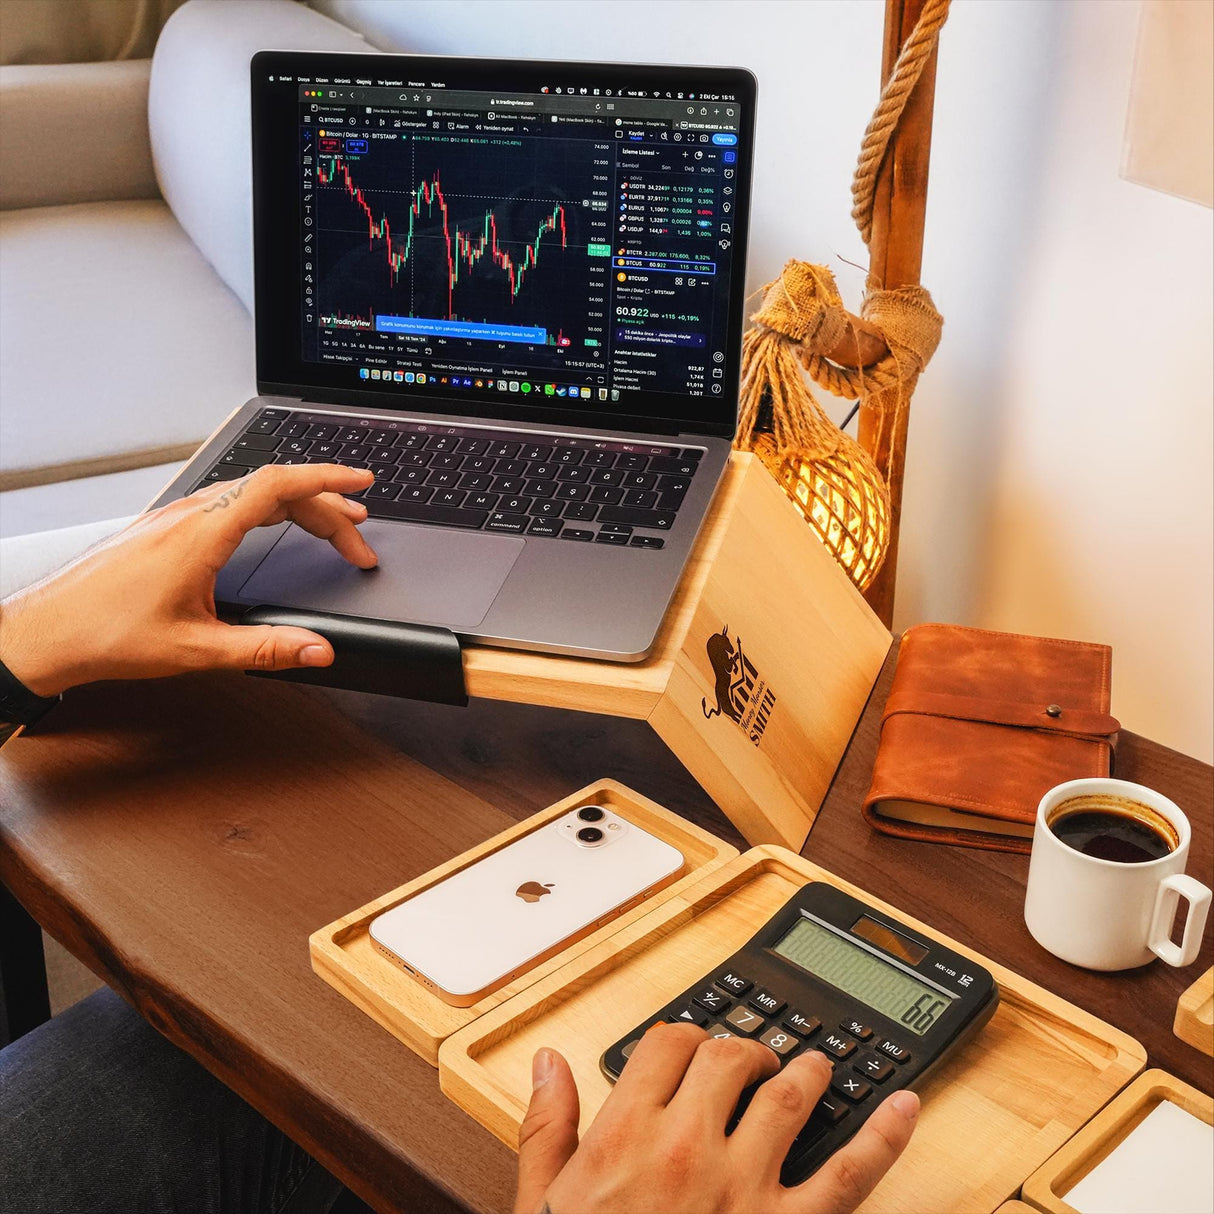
x,y
1170,891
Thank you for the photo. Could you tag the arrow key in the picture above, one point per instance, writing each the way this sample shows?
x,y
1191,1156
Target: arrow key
x,y
688,1014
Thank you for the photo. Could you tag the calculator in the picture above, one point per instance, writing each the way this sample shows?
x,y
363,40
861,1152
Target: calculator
x,y
885,1004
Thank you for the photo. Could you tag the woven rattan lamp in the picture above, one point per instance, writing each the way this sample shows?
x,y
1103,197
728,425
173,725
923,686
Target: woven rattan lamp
x,y
842,497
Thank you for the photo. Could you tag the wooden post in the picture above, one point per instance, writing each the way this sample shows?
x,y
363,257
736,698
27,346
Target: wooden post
x,y
896,257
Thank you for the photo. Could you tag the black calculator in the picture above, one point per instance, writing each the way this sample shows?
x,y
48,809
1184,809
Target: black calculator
x,y
829,973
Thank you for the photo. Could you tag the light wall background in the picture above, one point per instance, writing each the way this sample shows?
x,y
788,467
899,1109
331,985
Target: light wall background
x,y
1061,453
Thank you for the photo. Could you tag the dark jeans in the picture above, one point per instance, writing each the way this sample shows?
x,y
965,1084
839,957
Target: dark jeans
x,y
99,1114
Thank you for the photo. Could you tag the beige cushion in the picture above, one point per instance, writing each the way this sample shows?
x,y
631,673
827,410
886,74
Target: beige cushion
x,y
116,339
83,499
26,558
74,31
75,132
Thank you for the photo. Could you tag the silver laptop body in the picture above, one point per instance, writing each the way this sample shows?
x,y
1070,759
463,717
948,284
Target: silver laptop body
x,y
578,548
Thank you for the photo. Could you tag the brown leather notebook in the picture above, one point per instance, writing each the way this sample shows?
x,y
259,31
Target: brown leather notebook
x,y
979,726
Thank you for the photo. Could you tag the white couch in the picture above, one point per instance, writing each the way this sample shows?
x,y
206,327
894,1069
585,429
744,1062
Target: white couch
x,y
126,262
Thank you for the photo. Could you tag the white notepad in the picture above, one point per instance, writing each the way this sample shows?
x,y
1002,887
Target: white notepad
x,y
1165,1165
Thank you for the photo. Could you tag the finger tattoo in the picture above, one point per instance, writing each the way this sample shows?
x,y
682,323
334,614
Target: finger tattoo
x,y
225,499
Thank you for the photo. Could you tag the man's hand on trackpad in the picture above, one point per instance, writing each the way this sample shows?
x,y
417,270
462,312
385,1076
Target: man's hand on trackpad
x,y
141,604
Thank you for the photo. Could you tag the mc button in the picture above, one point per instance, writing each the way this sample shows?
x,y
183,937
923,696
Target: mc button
x,y
729,981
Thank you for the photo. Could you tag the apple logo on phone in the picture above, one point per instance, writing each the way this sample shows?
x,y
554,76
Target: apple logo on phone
x,y
533,891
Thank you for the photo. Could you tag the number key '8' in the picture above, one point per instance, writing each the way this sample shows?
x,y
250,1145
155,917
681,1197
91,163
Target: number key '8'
x,y
782,1042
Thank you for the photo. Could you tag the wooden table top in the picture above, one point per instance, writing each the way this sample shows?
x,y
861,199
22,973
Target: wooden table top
x,y
184,837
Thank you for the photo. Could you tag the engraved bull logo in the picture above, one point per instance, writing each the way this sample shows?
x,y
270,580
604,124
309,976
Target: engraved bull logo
x,y
726,660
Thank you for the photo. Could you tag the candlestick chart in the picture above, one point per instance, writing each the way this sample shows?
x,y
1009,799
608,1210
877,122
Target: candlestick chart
x,y
427,230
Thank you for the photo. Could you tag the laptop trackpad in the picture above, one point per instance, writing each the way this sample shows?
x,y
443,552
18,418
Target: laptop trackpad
x,y
426,575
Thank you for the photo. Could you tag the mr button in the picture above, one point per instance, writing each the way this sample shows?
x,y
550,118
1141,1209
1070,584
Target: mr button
x,y
765,1001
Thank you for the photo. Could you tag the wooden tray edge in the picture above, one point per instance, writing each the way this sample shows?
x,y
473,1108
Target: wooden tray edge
x,y
1093,1142
1194,1022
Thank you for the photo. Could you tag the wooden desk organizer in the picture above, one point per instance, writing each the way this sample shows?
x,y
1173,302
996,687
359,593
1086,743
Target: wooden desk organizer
x,y
1047,1188
343,955
1194,1021
761,591
1003,1105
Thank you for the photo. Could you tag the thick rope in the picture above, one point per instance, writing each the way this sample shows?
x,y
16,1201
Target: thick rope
x,y
902,80
802,320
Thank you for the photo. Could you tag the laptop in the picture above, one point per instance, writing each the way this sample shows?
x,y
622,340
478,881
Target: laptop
x,y
514,291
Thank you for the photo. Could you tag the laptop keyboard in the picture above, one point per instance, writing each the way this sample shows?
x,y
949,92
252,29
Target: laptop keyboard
x,y
547,485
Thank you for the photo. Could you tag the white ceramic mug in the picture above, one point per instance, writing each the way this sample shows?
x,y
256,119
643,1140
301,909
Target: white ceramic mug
x,y
1107,915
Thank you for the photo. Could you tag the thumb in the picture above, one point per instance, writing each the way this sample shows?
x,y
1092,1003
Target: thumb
x,y
261,647
548,1135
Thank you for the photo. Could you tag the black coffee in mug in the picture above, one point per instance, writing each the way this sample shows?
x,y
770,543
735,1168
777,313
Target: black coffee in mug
x,y
1114,828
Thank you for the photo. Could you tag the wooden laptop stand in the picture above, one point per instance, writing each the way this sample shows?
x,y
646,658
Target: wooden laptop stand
x,y
759,674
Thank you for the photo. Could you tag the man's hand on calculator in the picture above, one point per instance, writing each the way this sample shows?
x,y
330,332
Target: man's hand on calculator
x,y
659,1144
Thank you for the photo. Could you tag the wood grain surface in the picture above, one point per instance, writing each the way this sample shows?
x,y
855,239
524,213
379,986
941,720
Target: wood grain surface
x,y
184,838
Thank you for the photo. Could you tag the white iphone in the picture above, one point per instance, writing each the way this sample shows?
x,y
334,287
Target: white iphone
x,y
474,931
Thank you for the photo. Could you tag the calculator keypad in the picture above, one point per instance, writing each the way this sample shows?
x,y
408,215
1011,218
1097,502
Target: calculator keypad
x,y
790,996
731,1006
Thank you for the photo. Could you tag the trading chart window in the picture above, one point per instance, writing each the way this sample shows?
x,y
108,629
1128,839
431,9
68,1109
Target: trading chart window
x,y
570,242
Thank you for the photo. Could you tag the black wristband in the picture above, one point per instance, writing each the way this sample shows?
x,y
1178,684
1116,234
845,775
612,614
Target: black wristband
x,y
19,705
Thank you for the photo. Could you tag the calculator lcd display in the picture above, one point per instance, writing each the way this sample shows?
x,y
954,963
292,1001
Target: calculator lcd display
x,y
857,972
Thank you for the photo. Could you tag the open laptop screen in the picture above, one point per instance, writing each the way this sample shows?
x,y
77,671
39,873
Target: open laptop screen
x,y
464,235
